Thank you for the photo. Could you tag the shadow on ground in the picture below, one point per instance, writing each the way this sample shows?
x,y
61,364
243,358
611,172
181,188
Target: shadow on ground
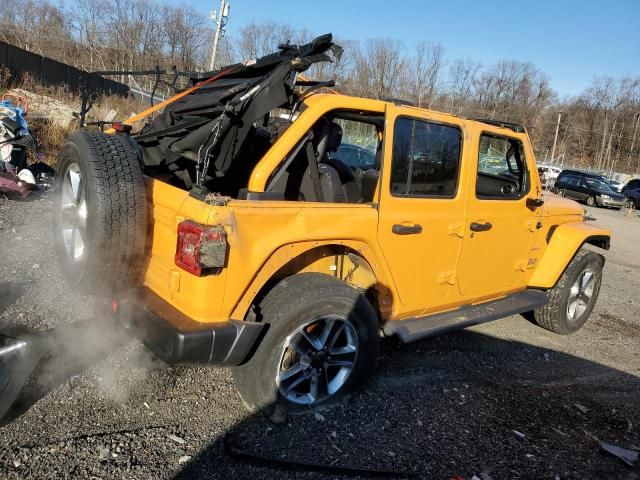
x,y
460,404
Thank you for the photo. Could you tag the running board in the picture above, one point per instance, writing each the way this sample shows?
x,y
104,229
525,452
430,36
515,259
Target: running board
x,y
416,328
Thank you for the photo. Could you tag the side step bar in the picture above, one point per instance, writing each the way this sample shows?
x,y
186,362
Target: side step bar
x,y
416,328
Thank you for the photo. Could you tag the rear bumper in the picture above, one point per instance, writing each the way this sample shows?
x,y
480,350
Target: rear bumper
x,y
178,340
609,202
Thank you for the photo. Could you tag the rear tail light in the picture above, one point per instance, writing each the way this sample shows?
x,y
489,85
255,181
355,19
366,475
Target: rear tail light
x,y
201,249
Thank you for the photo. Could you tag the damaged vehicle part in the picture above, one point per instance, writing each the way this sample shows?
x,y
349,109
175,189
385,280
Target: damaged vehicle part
x,y
198,140
20,352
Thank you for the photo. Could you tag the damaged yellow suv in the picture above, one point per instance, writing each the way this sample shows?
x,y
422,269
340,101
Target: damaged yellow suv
x,y
262,224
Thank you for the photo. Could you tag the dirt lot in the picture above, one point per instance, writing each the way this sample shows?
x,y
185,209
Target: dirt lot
x,y
499,399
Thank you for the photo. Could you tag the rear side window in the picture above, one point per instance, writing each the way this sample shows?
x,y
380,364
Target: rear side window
x,y
426,159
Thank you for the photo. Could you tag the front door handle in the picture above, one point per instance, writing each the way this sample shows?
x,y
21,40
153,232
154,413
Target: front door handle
x,y
480,227
400,229
534,203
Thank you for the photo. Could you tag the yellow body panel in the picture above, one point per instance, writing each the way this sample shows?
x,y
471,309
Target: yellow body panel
x,y
565,242
442,268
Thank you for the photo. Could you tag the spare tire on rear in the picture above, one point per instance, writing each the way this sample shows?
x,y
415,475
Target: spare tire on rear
x,y
100,213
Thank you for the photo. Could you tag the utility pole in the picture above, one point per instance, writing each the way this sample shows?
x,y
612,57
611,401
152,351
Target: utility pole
x,y
600,155
555,139
636,117
607,156
221,22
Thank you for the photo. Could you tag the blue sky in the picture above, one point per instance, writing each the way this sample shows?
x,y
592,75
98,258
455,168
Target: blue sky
x,y
571,41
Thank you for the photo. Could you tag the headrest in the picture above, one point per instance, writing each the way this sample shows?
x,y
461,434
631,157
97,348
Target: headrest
x,y
335,137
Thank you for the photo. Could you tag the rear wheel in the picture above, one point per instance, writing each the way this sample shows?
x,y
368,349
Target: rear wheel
x,y
99,213
321,345
572,300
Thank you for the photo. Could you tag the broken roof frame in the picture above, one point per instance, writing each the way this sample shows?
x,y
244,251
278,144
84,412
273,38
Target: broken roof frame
x,y
208,123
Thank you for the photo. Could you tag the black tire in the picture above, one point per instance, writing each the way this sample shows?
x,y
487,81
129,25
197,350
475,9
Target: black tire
x,y
591,201
110,213
555,316
294,302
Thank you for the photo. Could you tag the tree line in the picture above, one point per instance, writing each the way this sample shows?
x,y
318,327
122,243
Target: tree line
x,y
599,127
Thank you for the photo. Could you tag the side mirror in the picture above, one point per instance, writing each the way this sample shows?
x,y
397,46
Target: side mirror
x,y
534,203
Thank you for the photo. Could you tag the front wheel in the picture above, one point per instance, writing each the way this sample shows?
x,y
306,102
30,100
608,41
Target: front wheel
x,y
321,345
572,300
591,201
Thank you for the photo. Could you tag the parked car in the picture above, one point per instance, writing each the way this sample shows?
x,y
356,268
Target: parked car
x,y
633,184
589,188
289,276
354,156
615,185
632,198
551,174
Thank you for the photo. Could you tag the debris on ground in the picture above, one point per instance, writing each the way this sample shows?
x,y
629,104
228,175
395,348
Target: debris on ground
x,y
184,459
630,457
582,408
319,417
560,432
177,439
103,454
17,177
519,434
279,415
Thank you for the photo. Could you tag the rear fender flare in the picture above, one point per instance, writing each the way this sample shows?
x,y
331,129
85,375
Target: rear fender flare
x,y
285,255
564,242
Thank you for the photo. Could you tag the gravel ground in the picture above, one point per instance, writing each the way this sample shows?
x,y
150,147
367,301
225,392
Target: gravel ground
x,y
506,399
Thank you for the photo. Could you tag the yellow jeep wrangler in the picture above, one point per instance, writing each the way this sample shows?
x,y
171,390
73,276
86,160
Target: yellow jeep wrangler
x,y
262,224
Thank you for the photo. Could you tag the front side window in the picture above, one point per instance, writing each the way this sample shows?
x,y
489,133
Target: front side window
x,y
426,159
598,185
502,171
358,145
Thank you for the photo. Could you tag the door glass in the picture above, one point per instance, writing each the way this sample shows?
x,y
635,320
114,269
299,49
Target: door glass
x,y
426,159
359,139
502,172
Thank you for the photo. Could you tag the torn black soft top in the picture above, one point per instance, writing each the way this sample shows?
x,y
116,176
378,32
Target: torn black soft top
x,y
197,137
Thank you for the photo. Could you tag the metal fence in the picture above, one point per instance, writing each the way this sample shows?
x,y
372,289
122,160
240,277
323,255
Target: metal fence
x,y
51,72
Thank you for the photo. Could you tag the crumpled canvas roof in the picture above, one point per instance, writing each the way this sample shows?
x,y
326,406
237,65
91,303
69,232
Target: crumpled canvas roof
x,y
203,131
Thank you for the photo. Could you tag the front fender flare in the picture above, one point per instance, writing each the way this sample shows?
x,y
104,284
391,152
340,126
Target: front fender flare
x,y
566,239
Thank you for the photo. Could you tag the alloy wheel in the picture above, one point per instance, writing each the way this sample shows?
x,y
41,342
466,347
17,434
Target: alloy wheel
x,y
74,212
317,360
581,294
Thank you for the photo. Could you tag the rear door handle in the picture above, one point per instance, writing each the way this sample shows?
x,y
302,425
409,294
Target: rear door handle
x,y
480,227
400,229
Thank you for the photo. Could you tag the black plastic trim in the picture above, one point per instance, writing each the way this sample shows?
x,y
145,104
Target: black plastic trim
x,y
412,329
179,340
601,241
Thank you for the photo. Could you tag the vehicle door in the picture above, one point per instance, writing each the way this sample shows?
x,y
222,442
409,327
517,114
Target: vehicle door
x,y
572,188
584,190
499,223
422,205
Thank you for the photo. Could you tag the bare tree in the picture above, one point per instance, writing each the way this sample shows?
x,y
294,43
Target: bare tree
x,y
426,67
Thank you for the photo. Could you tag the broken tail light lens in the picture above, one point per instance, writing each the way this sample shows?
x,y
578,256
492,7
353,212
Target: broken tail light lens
x,y
201,249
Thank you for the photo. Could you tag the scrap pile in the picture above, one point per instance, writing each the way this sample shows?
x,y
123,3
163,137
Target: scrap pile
x,y
17,178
